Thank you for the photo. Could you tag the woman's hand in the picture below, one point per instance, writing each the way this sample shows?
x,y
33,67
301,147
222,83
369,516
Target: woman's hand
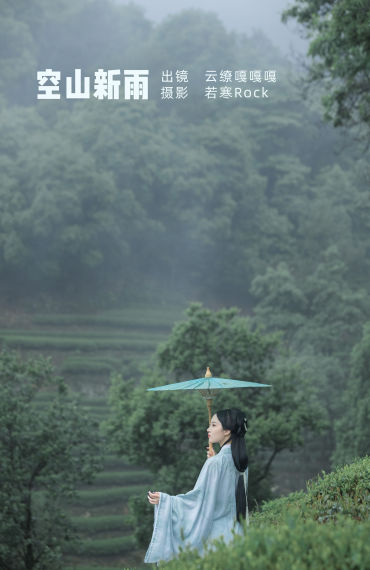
x,y
210,452
153,498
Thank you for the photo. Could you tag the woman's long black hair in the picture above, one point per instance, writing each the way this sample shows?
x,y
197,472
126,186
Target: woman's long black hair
x,y
235,420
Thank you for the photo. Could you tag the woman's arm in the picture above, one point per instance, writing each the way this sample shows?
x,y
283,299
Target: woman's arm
x,y
153,498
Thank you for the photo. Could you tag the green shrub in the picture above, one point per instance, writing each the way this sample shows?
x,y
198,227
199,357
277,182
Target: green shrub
x,y
272,512
293,545
345,490
142,513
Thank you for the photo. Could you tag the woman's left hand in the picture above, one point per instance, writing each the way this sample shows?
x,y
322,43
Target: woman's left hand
x,y
210,452
153,498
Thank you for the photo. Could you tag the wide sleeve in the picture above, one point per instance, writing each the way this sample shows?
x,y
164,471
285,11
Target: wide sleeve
x,y
185,518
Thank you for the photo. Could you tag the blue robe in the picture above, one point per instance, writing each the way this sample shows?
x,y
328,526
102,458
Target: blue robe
x,y
205,513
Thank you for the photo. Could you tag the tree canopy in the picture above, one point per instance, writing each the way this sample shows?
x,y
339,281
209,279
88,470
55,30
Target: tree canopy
x,y
339,49
44,454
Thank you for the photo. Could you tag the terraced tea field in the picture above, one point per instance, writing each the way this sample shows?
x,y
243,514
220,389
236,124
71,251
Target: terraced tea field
x,y
85,349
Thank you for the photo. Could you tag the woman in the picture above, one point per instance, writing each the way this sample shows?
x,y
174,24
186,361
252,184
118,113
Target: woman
x,y
218,502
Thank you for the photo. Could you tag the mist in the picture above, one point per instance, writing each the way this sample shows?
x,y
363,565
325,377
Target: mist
x,y
242,16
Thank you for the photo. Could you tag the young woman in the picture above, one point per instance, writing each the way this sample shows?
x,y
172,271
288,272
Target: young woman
x,y
218,502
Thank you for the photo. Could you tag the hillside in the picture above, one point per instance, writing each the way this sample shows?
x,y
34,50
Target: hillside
x,y
325,527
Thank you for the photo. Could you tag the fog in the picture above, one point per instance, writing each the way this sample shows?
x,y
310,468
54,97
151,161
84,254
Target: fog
x,y
239,15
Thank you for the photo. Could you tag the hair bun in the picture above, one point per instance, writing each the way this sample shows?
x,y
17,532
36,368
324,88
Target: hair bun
x,y
242,429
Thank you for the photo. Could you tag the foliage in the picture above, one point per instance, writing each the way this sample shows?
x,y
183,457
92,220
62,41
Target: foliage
x,y
44,455
142,519
321,317
340,52
222,339
343,491
322,310
353,425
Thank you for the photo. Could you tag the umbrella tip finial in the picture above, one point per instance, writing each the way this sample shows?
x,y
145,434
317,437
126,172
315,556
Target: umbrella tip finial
x,y
208,373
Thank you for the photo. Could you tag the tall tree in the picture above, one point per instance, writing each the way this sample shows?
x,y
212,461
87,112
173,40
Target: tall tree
x,y
353,425
44,453
340,50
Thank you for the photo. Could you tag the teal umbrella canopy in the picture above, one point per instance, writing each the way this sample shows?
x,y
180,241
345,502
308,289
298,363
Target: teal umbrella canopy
x,y
207,387
209,384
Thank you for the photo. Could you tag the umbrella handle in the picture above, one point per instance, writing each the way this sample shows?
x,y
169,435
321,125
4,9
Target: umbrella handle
x,y
209,404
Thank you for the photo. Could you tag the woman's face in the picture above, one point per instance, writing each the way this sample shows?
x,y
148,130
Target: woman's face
x,y
216,433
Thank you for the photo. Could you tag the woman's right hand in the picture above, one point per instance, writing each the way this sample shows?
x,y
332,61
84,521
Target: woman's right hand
x,y
210,452
153,498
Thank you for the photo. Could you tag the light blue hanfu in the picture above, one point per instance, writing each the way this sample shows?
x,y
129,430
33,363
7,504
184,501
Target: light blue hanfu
x,y
205,513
